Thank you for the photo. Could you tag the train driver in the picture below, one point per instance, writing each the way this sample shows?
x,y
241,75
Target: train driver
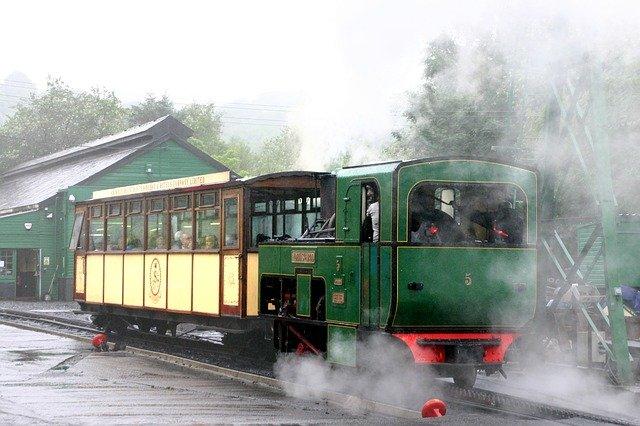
x,y
373,212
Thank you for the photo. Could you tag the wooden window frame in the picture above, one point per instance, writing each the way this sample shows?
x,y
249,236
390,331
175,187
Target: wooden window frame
x,y
188,208
223,219
198,207
129,213
102,218
148,210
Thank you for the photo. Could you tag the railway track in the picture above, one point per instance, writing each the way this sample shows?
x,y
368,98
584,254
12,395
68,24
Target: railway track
x,y
197,353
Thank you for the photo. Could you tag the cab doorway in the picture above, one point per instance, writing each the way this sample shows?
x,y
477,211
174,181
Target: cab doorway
x,y
27,274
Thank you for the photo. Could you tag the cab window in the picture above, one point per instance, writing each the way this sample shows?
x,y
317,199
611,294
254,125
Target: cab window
x,y
467,214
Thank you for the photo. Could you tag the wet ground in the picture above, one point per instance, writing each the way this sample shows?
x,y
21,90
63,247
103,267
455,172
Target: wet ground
x,y
58,309
48,379
38,370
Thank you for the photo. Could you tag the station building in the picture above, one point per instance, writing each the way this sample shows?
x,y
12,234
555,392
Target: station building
x,y
37,199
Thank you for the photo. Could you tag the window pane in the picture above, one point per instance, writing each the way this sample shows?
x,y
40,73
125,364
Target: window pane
x,y
311,220
96,211
135,232
157,205
181,231
114,233
181,202
290,205
77,240
208,199
6,262
293,225
260,207
279,224
208,229
231,222
135,207
96,235
114,209
156,232
261,229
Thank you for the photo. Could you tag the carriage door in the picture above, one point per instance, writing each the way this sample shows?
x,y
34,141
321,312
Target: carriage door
x,y
231,278
370,237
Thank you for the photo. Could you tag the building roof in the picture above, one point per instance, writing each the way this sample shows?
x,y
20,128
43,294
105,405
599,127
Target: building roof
x,y
39,179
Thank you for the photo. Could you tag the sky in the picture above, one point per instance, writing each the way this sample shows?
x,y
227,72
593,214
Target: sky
x,y
338,71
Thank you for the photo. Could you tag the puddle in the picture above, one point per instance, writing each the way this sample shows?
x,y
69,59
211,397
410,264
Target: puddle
x,y
32,355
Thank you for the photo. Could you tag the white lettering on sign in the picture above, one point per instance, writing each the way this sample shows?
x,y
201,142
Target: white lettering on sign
x,y
185,182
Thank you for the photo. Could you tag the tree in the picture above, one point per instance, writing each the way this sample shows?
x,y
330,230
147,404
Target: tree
x,y
457,111
278,153
58,119
340,160
150,109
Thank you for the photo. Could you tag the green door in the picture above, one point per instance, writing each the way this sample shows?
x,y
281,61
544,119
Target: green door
x,y
370,288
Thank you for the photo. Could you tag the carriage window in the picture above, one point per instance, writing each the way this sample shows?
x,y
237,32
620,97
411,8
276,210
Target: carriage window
x,y
181,202
182,230
135,232
467,214
208,229
96,211
78,236
115,236
156,205
96,234
231,222
114,209
135,207
156,232
6,263
207,199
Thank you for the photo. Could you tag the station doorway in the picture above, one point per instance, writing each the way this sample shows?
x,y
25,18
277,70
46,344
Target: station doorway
x,y
28,275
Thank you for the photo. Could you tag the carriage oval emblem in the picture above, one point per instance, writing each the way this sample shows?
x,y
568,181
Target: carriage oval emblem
x,y
155,279
467,279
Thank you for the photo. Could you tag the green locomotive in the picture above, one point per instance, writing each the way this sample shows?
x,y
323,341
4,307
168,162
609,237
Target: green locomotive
x,y
436,255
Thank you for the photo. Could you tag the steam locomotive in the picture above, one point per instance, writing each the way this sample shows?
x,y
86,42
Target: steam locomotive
x,y
437,257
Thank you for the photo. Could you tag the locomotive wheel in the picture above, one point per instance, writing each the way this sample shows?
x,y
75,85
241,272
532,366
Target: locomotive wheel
x,y
465,377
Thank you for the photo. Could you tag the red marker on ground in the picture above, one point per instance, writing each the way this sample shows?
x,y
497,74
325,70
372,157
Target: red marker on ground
x,y
99,341
434,408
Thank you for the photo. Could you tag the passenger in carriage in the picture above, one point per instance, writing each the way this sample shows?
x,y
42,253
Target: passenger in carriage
x,y
182,241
